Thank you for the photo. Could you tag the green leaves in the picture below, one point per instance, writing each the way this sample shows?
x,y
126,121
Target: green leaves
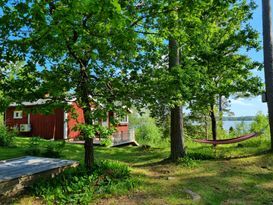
x,y
117,6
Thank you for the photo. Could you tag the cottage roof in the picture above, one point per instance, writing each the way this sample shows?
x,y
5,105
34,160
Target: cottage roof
x,y
38,102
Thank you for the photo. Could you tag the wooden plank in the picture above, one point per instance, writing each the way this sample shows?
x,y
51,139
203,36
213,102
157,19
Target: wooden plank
x,y
134,143
28,166
18,173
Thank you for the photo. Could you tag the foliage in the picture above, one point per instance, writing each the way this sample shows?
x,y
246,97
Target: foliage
x,y
188,162
112,169
241,128
6,136
54,149
34,146
196,124
146,130
260,123
201,154
88,47
37,147
236,171
241,118
107,142
115,51
78,186
225,72
1,119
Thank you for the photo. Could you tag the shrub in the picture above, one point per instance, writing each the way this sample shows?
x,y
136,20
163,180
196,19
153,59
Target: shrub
x,y
206,154
54,149
107,142
146,130
78,186
148,133
260,123
34,146
111,169
6,136
241,129
1,119
188,162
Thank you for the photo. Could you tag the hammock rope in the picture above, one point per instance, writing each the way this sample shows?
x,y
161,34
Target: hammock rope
x,y
232,140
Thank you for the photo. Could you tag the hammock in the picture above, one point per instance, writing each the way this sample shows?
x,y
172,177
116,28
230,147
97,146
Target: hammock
x,y
229,141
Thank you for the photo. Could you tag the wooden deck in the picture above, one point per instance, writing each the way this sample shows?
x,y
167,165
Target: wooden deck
x,y
18,173
126,143
115,144
119,139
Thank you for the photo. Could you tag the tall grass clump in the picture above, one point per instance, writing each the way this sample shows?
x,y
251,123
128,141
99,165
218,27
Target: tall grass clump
x,y
40,147
6,136
1,119
79,186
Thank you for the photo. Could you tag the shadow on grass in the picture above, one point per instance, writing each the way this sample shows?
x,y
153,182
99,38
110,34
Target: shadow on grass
x,y
233,183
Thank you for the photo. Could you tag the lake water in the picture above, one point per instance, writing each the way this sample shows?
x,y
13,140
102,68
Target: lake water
x,y
228,124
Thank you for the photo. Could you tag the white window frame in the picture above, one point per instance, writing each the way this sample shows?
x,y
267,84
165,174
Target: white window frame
x,y
18,114
105,123
125,122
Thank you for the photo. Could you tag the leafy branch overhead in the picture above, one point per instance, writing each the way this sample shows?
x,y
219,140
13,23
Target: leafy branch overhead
x,y
110,55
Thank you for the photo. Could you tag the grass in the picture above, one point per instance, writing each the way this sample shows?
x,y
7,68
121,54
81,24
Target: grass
x,y
231,174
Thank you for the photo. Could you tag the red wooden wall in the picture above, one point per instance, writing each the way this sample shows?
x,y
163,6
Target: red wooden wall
x,y
80,119
72,122
52,126
45,126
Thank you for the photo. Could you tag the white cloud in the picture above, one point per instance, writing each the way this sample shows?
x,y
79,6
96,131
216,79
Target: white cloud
x,y
242,102
247,107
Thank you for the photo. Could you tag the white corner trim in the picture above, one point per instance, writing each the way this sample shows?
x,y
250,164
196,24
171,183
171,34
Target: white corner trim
x,y
65,125
28,118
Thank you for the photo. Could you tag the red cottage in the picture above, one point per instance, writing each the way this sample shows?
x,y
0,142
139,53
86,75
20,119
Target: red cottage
x,y
58,125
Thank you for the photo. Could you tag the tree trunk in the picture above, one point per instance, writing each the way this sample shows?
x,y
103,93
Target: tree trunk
x,y
88,142
206,128
268,61
176,132
213,123
220,120
89,153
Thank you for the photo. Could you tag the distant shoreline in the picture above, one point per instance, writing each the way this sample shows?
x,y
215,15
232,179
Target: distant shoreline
x,y
242,118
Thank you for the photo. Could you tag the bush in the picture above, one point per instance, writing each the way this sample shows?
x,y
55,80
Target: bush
x,y
78,186
241,129
260,123
1,119
148,133
6,136
34,146
54,149
146,130
206,154
188,162
111,169
107,142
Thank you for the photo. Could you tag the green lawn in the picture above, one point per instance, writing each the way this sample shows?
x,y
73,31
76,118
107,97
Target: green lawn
x,y
238,174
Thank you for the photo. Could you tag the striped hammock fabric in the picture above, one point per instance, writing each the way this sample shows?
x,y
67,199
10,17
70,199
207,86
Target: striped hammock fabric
x,y
229,141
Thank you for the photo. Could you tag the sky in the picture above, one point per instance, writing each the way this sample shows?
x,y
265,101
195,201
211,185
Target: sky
x,y
250,107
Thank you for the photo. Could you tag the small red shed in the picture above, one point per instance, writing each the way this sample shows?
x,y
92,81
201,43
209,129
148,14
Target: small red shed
x,y
58,125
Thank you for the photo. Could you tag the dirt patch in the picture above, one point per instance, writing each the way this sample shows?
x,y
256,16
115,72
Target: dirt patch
x,y
136,198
